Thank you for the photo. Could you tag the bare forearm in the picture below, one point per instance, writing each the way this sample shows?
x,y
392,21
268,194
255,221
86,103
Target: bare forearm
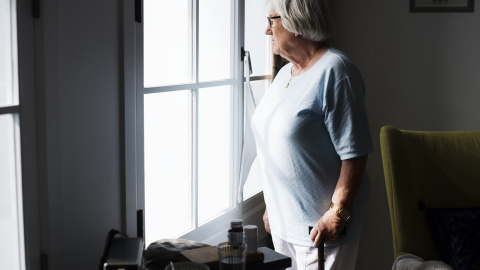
x,y
329,226
349,182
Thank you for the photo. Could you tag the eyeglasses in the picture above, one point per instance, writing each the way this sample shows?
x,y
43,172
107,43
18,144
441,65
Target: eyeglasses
x,y
269,19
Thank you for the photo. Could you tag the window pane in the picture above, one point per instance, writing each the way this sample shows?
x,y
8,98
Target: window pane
x,y
167,42
259,88
6,55
10,203
215,35
255,39
168,169
214,151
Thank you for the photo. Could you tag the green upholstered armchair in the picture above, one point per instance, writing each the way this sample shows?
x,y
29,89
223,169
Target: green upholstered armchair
x,y
433,168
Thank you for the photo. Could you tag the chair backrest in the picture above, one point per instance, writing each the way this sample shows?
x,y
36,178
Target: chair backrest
x,y
439,169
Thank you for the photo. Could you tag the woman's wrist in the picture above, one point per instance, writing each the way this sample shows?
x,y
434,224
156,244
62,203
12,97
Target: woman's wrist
x,y
342,213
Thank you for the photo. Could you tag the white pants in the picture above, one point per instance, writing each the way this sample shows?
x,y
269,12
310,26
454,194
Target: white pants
x,y
306,258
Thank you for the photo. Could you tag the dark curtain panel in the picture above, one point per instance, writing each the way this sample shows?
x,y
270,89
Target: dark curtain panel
x,y
278,63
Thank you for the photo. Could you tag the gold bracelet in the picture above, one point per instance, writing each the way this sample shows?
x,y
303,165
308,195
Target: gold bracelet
x,y
343,214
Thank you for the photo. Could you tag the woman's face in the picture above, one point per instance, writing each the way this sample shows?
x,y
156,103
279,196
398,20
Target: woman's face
x,y
281,37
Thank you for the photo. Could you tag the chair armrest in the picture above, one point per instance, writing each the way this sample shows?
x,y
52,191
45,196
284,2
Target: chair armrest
x,y
413,262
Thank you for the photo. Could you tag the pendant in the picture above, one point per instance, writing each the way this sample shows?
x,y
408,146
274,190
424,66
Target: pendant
x,y
288,83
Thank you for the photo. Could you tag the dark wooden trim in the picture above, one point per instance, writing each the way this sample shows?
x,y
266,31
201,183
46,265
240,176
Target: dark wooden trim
x,y
468,8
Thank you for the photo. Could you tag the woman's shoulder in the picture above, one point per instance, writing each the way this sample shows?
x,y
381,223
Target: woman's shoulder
x,y
337,57
337,61
286,68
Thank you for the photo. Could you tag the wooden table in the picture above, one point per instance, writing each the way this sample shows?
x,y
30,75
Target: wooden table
x,y
272,261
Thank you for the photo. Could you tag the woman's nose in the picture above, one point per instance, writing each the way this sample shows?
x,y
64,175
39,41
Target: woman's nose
x,y
268,31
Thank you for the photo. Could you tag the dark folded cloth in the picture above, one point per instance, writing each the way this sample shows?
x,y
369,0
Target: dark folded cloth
x,y
164,251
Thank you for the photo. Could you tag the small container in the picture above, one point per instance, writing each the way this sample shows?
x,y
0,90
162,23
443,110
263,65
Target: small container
x,y
232,257
235,233
250,233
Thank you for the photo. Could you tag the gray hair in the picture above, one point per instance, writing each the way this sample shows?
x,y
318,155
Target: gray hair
x,y
309,18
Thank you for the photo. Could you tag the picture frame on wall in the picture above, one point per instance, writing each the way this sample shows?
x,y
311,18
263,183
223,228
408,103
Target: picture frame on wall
x,y
441,5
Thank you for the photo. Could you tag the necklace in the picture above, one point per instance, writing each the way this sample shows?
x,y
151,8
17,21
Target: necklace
x,y
294,75
291,77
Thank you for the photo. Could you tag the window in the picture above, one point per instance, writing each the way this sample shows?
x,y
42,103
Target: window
x,y
11,218
190,77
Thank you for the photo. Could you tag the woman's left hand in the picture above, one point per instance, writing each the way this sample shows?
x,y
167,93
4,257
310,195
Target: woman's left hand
x,y
327,228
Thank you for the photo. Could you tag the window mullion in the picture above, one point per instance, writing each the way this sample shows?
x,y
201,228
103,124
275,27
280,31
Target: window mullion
x,y
195,72
239,42
9,109
195,35
194,119
20,252
235,89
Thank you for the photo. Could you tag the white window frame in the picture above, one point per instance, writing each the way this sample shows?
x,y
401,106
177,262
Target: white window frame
x,y
13,110
134,92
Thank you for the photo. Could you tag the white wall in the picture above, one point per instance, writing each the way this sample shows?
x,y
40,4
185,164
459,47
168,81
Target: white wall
x,y
422,73
78,71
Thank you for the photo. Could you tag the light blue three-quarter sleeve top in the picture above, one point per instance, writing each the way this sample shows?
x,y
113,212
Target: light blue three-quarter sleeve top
x,y
302,134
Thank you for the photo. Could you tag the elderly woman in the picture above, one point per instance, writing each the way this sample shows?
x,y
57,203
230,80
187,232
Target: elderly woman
x,y
313,138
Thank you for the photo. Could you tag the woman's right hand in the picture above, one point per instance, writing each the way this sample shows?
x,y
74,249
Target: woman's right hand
x,y
265,221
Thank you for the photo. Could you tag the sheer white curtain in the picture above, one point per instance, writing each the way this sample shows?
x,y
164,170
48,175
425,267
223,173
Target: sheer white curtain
x,y
249,150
